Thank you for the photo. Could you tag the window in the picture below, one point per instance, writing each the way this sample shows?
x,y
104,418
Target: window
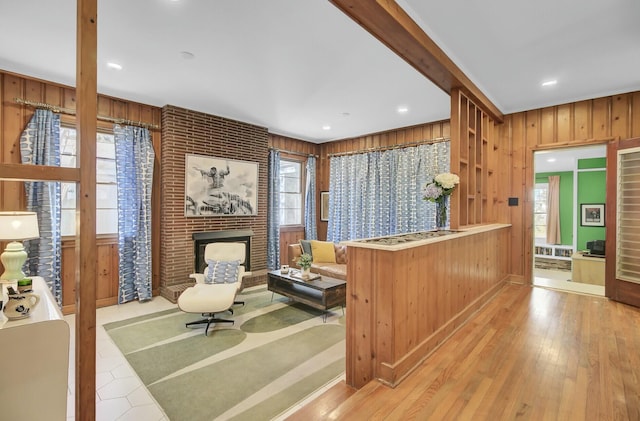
x,y
290,192
106,189
540,211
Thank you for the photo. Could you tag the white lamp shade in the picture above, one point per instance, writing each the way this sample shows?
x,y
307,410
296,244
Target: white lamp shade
x,y
18,225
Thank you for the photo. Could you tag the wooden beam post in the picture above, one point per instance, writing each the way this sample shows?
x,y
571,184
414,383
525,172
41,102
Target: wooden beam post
x,y
86,125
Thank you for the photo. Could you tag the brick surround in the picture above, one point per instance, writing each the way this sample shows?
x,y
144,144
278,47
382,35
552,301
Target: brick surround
x,y
191,132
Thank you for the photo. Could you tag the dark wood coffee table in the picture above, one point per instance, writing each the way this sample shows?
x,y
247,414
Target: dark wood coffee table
x,y
322,293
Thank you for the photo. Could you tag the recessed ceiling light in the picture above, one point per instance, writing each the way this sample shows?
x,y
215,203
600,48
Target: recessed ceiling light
x,y
403,110
114,66
326,127
551,160
549,82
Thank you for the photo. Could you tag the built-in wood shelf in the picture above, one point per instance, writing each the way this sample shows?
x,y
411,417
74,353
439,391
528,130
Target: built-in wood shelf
x,y
472,153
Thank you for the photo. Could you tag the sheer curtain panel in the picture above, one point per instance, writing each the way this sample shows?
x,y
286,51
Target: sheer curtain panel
x,y
380,193
553,210
134,176
40,145
273,213
310,226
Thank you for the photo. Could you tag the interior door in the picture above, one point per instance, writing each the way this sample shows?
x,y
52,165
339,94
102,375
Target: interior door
x,y
623,222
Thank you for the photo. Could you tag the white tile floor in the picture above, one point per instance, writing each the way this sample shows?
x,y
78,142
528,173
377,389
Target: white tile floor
x,y
120,395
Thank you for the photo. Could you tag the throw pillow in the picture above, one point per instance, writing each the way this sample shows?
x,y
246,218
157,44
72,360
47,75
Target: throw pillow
x,y
221,272
323,251
306,247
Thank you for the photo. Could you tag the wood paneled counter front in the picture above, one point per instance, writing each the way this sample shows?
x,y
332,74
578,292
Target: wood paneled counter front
x,y
404,300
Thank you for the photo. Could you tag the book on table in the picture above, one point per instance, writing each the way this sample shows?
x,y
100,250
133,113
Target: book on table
x,y
298,275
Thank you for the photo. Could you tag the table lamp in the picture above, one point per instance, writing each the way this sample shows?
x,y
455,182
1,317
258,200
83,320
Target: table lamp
x,y
15,227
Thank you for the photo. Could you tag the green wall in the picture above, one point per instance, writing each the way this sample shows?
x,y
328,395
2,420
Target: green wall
x,y
566,203
591,189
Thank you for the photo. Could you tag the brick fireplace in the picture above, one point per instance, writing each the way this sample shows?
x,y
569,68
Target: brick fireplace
x,y
190,132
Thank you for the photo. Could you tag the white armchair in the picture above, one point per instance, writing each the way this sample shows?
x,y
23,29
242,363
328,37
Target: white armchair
x,y
216,287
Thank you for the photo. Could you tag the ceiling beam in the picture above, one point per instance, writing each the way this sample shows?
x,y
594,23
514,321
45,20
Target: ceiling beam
x,y
391,25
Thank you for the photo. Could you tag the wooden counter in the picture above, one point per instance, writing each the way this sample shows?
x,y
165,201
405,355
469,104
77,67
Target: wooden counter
x,y
404,300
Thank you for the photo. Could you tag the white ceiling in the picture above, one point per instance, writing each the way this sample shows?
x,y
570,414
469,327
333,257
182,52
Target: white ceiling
x,y
558,160
294,66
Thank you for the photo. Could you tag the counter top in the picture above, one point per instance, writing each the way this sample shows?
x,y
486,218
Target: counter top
x,y
415,239
46,310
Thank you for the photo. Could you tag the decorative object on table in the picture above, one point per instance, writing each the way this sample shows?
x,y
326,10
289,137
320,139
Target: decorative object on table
x,y
592,214
299,275
20,305
284,269
438,191
24,285
304,261
220,187
16,227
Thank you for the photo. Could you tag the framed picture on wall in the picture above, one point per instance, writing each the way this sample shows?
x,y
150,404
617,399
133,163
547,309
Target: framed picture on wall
x,y
324,206
592,214
220,187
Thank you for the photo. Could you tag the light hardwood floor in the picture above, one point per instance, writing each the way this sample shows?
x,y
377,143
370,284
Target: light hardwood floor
x,y
530,354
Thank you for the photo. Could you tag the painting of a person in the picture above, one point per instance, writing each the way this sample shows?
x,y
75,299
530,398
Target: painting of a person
x,y
216,177
219,186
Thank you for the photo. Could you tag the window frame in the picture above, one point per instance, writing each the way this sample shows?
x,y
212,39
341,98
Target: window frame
x,y
105,129
537,186
303,187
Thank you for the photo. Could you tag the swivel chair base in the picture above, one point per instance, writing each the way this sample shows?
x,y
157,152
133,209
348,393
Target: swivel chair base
x,y
208,319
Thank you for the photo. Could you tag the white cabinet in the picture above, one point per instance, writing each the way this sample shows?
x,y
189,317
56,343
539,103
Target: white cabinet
x,y
34,362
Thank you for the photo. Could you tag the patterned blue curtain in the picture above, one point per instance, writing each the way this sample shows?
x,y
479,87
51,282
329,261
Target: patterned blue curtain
x,y
273,210
134,176
310,227
40,145
380,193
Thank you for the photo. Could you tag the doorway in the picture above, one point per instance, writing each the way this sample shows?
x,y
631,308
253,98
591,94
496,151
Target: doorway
x,y
569,198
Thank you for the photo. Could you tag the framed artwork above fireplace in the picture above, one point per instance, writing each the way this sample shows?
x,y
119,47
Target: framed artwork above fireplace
x,y
220,187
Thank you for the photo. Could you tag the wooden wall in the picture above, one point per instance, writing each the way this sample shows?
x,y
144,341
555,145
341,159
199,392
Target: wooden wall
x,y
14,118
298,150
580,123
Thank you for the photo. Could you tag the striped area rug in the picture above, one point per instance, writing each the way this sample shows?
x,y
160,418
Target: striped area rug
x,y
276,354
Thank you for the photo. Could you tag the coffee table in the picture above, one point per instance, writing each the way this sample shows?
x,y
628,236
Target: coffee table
x,y
322,293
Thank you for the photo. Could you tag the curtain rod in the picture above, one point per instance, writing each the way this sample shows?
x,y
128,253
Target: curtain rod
x,y
387,148
293,152
69,111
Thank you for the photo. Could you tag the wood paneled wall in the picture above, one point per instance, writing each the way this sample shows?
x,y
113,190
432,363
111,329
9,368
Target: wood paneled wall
x,y
394,137
576,124
13,119
298,150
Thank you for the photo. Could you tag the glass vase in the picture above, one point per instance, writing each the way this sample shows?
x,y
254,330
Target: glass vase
x,y
441,213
